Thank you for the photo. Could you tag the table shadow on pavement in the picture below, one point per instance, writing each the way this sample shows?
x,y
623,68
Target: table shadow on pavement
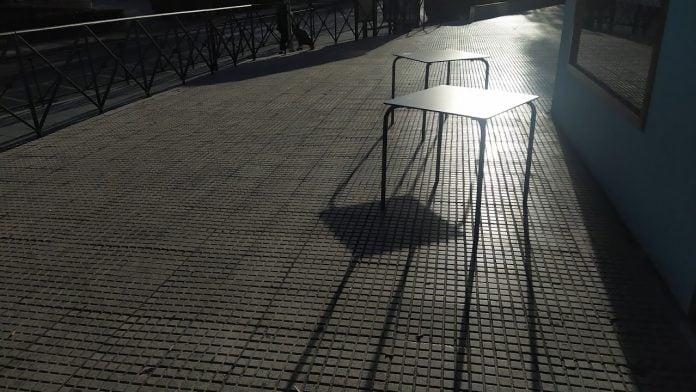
x,y
405,223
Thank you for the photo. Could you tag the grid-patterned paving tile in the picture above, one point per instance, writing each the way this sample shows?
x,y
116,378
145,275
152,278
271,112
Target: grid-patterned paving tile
x,y
227,236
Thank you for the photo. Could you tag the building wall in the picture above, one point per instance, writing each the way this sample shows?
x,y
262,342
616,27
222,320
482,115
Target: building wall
x,y
649,174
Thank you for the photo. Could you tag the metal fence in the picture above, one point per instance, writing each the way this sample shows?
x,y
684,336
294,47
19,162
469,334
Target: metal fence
x,y
53,77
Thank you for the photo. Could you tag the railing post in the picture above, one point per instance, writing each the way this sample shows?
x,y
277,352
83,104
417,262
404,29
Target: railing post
x,y
253,33
374,18
335,12
212,44
386,14
356,17
32,108
311,20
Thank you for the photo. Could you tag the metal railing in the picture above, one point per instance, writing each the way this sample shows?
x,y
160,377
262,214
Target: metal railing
x,y
56,76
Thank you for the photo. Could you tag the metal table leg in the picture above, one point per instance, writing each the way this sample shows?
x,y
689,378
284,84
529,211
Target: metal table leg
x,y
393,90
530,147
449,76
440,125
488,71
427,76
449,71
479,176
385,128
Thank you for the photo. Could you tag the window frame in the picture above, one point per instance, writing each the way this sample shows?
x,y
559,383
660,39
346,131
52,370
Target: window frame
x,y
637,115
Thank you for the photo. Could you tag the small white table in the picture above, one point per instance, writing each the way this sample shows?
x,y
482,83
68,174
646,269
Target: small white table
x,y
477,104
429,57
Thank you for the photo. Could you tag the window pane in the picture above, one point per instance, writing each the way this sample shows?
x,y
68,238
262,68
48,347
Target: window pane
x,y
616,42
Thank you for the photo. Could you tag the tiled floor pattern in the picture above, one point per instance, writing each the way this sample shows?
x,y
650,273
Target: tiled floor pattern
x,y
227,236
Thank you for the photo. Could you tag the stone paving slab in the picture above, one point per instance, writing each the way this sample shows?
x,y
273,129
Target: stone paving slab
x,y
226,236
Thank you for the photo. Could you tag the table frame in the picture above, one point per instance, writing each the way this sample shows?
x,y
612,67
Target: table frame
x,y
482,153
427,78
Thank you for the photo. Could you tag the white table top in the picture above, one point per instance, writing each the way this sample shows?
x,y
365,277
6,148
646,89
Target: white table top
x,y
436,56
462,101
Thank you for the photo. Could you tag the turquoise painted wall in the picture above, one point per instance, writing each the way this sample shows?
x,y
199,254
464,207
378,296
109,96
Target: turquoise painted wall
x,y
649,174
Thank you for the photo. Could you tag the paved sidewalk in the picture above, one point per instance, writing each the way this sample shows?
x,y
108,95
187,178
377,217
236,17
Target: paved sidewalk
x,y
227,236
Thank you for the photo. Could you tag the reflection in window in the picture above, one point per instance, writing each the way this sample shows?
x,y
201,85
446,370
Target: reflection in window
x,y
616,44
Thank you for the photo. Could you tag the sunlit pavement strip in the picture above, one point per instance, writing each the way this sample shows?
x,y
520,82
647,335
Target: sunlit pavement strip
x,y
227,236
